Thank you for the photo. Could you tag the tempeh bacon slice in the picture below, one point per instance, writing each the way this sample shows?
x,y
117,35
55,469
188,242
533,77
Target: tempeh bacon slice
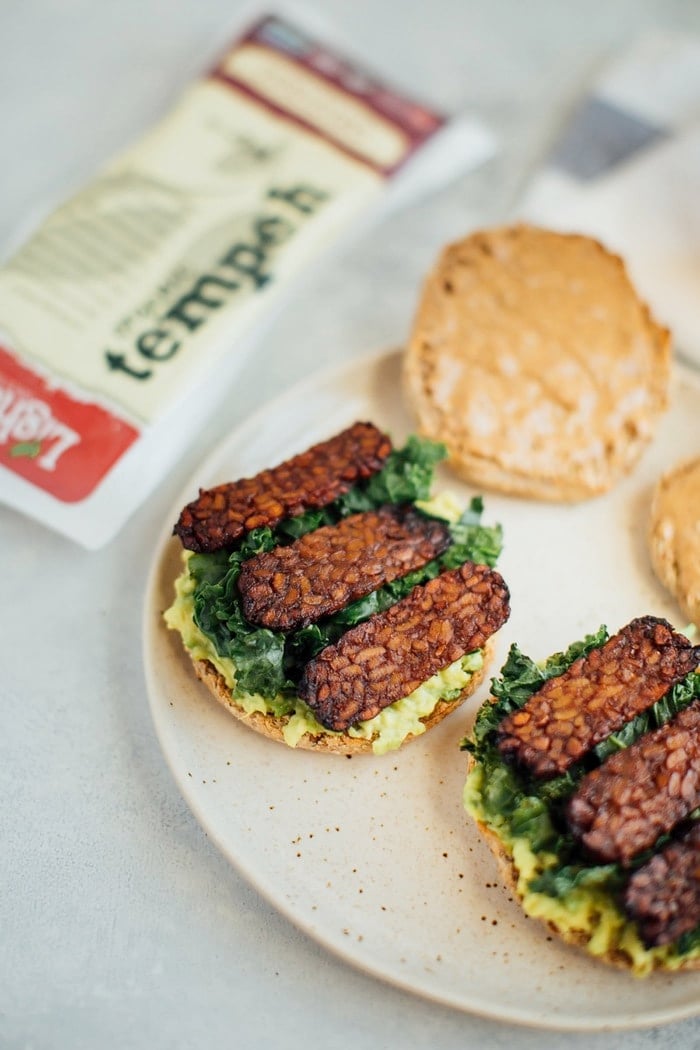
x,y
596,696
328,568
388,656
663,896
641,792
312,479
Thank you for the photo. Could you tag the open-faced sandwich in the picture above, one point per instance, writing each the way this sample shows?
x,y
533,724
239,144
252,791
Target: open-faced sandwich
x,y
331,603
585,780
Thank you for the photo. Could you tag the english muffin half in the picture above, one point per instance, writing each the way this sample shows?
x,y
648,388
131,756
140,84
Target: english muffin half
x,y
674,534
537,364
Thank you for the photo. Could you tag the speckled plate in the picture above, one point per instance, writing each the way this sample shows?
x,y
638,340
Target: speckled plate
x,y
375,857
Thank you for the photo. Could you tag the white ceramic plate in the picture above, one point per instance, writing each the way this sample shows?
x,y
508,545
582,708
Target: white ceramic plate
x,y
375,857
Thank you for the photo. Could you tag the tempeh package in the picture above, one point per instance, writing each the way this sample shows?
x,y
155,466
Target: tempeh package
x,y
126,313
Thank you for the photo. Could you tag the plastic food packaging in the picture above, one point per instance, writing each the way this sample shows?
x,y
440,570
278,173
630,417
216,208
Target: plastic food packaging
x,y
135,302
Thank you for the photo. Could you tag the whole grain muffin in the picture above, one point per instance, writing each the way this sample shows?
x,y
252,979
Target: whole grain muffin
x,y
534,360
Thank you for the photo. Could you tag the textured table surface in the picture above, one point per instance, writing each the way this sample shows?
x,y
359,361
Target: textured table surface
x,y
122,926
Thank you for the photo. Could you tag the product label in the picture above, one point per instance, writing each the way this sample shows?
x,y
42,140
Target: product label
x,y
138,284
133,290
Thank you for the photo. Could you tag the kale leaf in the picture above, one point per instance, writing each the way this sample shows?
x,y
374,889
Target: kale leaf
x,y
405,477
472,541
560,881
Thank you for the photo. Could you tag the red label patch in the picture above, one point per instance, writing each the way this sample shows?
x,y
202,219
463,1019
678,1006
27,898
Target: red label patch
x,y
56,442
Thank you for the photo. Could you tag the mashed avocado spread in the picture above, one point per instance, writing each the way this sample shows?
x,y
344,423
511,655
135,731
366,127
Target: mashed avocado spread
x,y
554,880
387,730
261,667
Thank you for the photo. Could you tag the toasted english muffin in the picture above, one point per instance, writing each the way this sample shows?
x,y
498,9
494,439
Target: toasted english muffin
x,y
533,359
674,535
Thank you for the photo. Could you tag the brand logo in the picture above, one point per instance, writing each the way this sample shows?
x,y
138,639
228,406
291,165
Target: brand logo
x,y
30,428
50,438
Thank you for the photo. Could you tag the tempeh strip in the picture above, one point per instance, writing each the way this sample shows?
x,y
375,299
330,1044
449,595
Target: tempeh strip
x,y
596,696
313,479
663,896
641,792
388,656
328,568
